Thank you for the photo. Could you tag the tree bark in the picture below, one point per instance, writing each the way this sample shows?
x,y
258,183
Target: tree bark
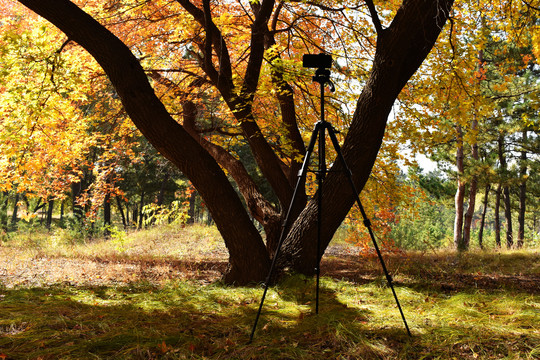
x,y
483,219
15,210
522,192
107,210
166,135
472,191
140,214
506,193
460,193
50,207
121,210
497,215
191,211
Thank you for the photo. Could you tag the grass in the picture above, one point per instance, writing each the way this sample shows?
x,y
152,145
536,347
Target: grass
x,y
483,305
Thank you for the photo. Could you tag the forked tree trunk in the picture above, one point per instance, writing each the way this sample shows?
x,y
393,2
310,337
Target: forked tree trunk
x,y
401,48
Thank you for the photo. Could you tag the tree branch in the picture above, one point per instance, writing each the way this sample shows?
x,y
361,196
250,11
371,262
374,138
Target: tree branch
x,y
374,16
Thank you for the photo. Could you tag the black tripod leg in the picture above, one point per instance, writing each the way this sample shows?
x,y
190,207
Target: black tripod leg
x,y
301,178
367,223
321,174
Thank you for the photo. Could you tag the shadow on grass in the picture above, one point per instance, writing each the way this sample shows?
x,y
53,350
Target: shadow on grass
x,y
186,320
180,320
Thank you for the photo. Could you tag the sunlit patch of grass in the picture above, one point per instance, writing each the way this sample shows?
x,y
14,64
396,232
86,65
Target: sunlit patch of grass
x,y
190,242
186,319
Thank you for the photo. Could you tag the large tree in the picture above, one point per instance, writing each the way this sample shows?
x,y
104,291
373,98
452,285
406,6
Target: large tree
x,y
271,31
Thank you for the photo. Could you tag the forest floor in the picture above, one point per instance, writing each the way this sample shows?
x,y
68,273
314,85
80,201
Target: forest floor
x,y
156,295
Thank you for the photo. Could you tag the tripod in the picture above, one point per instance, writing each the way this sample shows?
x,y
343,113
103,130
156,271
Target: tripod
x,y
322,76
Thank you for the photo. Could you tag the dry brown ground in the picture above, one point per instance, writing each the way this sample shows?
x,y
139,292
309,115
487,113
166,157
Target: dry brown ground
x,y
33,269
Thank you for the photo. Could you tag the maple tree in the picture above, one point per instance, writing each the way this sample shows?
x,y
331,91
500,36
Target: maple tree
x,y
228,69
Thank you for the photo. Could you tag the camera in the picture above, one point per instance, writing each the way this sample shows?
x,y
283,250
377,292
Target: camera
x,y
320,61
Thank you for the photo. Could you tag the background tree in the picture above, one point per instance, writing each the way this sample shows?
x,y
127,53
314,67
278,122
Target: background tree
x,y
473,108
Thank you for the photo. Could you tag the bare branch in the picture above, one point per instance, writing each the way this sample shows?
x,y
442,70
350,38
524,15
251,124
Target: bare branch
x,y
374,16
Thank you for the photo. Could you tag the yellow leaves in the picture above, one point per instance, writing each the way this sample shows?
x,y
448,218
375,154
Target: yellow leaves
x,y
49,117
535,31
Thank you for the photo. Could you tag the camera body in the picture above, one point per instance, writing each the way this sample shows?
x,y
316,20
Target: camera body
x,y
318,61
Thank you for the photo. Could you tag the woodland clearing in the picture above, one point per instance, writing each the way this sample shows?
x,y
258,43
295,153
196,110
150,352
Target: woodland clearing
x,y
156,294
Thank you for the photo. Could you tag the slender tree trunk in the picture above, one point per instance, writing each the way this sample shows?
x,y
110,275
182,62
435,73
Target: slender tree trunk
x,y
107,213
161,195
141,215
506,197
508,217
76,190
483,220
497,215
472,193
135,215
460,194
191,210
522,193
121,210
4,211
50,208
15,210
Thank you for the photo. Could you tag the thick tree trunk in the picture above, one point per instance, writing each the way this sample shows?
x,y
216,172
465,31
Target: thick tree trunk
x,y
249,260
401,48
259,208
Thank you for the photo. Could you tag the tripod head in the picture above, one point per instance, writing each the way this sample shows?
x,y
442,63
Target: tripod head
x,y
322,76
